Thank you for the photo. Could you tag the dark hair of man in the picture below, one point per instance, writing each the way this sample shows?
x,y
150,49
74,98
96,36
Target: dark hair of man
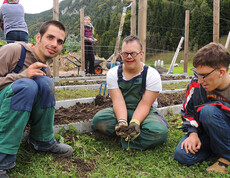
x,y
212,55
132,38
46,25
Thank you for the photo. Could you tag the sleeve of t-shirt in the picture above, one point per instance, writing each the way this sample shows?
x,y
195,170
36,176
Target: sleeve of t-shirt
x,y
153,80
111,78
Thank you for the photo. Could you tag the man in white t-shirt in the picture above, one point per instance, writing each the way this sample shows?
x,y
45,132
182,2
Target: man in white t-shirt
x,y
133,88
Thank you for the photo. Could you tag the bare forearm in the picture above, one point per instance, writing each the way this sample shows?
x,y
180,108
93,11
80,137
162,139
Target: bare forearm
x,y
119,105
120,110
141,112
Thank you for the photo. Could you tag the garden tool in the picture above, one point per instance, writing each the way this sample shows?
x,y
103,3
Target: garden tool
x,y
105,86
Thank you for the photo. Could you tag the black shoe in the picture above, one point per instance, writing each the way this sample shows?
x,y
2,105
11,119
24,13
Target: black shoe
x,y
3,174
62,150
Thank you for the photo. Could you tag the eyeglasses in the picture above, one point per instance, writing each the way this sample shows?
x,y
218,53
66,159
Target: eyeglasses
x,y
133,54
203,76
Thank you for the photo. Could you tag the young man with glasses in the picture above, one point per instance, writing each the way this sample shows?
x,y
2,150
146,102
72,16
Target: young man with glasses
x,y
206,110
133,88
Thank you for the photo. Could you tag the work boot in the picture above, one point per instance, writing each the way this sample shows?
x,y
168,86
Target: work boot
x,y
62,150
220,166
3,174
59,149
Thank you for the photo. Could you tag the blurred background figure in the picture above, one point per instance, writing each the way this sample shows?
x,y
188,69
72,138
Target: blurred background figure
x,y
117,63
1,23
12,17
89,41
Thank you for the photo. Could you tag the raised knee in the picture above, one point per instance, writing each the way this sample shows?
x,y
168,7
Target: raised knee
x,y
45,84
26,88
208,113
25,91
46,91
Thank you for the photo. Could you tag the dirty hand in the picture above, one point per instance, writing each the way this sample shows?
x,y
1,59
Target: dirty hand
x,y
121,128
133,130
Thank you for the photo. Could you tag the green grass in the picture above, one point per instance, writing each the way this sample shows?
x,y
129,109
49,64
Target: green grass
x,y
73,94
173,86
106,158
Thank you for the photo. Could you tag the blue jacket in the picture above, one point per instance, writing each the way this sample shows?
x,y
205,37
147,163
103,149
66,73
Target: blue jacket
x,y
195,100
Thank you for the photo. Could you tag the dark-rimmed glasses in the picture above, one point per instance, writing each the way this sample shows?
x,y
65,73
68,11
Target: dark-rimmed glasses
x,y
203,76
133,54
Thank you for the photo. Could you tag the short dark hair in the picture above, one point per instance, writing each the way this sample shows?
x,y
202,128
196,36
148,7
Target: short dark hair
x,y
212,55
44,27
131,38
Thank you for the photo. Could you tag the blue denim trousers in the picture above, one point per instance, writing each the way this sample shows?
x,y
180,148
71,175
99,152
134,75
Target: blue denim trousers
x,y
215,138
13,36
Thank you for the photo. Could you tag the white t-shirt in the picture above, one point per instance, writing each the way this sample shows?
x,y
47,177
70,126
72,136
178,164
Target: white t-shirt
x,y
153,80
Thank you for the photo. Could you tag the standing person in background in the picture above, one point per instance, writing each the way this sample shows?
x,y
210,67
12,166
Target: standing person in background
x,y
89,41
1,23
12,16
117,63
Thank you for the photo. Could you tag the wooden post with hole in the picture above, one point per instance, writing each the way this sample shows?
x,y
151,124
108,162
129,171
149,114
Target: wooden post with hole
x,y
186,41
133,18
216,20
142,25
56,59
82,43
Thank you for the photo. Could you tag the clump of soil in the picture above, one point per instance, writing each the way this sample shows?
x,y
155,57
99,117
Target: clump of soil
x,y
86,111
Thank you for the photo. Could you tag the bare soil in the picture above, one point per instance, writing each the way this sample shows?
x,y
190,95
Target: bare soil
x,y
86,111
85,82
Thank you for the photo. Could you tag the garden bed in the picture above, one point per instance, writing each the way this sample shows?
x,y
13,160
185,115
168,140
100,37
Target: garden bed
x,y
86,111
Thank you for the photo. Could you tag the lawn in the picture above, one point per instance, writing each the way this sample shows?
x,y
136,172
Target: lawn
x,y
105,158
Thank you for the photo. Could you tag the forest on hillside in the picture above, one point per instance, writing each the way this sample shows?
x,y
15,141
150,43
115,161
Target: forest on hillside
x,y
165,22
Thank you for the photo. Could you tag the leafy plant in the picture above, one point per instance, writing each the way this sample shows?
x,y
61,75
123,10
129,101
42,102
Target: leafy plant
x,y
71,44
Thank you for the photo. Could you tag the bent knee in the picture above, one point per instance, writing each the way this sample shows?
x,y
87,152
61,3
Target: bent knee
x,y
25,91
157,132
184,158
45,84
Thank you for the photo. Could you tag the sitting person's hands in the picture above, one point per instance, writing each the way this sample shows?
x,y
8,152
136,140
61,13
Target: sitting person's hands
x,y
121,128
133,130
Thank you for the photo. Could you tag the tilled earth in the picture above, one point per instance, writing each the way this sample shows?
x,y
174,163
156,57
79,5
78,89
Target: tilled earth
x,y
86,111
85,82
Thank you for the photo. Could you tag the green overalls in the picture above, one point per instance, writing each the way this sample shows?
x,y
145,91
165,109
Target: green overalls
x,y
154,129
22,101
